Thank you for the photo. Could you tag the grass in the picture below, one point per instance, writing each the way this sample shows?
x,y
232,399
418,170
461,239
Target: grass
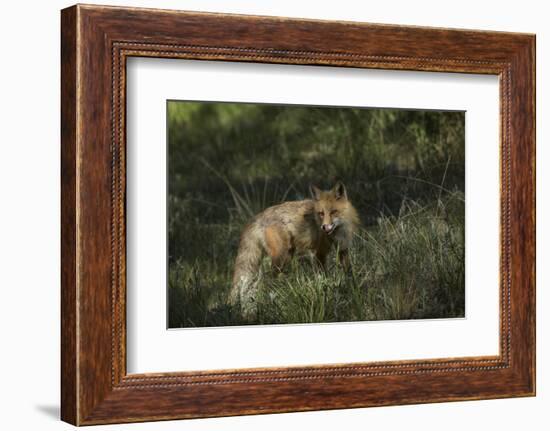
x,y
407,266
404,173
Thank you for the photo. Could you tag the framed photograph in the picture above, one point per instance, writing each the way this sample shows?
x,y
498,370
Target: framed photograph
x,y
264,214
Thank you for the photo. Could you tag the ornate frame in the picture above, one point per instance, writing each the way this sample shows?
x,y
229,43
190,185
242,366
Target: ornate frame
x,y
95,43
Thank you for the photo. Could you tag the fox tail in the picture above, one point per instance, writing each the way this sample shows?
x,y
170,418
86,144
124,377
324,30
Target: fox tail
x,y
247,264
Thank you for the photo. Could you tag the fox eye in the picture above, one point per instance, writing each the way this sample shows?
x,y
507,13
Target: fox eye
x,y
333,212
321,213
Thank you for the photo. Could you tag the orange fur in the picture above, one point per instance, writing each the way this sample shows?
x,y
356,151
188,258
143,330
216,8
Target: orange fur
x,y
312,226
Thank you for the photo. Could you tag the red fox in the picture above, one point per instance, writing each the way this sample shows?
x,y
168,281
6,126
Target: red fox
x,y
311,226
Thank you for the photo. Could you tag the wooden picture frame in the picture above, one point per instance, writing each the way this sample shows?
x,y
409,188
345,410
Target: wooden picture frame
x,y
95,43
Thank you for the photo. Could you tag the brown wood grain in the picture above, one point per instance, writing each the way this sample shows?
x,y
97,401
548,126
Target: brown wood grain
x,y
96,41
69,367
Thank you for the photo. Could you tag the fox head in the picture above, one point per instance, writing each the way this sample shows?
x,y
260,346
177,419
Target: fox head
x,y
331,207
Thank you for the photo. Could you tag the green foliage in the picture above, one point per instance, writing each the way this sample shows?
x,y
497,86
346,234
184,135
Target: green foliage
x,y
404,171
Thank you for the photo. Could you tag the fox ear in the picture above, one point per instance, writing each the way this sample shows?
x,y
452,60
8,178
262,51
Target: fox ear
x,y
315,192
339,191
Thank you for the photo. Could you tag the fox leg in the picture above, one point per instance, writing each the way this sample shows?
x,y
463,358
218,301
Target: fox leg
x,y
278,246
343,258
321,254
321,258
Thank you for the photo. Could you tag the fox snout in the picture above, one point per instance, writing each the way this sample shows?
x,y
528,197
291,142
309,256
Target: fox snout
x,y
328,228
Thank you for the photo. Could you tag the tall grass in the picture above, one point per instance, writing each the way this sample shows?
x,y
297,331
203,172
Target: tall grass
x,y
404,171
406,266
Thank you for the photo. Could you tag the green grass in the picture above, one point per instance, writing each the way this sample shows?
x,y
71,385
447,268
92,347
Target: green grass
x,y
408,266
404,173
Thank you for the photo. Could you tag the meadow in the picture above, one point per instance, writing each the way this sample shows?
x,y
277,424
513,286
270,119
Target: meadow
x,y
404,172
